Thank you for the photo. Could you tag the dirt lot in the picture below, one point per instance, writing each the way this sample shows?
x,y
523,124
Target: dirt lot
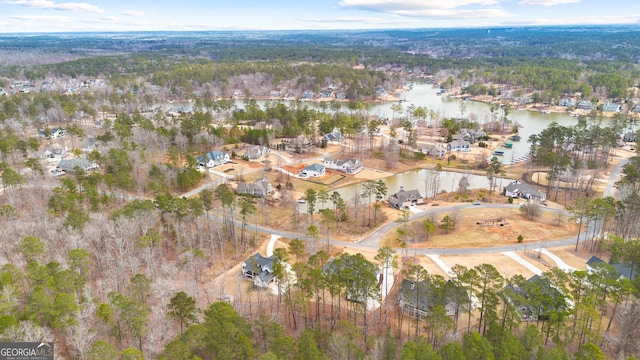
x,y
506,266
469,234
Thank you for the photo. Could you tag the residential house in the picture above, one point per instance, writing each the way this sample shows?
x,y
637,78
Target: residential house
x,y
53,154
296,144
259,188
313,170
585,105
2,92
525,295
404,199
417,298
89,144
348,166
326,94
611,107
636,109
256,151
436,150
567,102
335,135
259,269
458,145
626,270
519,190
213,158
631,136
70,165
469,135
55,133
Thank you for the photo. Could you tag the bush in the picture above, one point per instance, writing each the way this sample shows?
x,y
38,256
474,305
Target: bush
x,y
510,200
520,239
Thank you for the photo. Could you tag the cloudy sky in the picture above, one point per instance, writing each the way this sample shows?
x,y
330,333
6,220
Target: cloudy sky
x,y
120,15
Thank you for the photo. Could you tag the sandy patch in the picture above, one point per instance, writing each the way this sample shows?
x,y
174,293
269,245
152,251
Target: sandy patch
x,y
505,266
577,260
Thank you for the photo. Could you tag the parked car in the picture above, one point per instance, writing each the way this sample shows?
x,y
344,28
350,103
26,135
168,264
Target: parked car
x,y
57,172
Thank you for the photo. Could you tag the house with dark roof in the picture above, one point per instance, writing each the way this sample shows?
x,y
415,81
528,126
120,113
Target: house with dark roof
x,y
519,190
259,269
213,158
259,188
313,170
348,166
404,199
624,269
335,135
256,151
418,298
524,298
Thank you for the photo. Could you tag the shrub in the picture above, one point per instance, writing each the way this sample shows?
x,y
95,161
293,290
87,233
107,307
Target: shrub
x,y
520,239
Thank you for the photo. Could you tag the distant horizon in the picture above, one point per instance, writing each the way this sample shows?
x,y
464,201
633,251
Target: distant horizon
x,y
58,16
452,28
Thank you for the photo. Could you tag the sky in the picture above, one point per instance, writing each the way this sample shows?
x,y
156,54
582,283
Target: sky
x,y
18,16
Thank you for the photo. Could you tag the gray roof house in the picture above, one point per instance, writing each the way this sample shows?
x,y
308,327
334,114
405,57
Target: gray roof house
x,y
69,165
436,150
335,135
259,188
259,269
626,270
404,199
525,191
611,107
213,158
313,170
585,105
567,102
458,145
53,153
256,151
348,166
417,298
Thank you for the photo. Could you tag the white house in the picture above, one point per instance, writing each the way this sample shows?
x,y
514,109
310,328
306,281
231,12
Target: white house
x,y
348,166
52,154
458,145
525,191
213,158
313,170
